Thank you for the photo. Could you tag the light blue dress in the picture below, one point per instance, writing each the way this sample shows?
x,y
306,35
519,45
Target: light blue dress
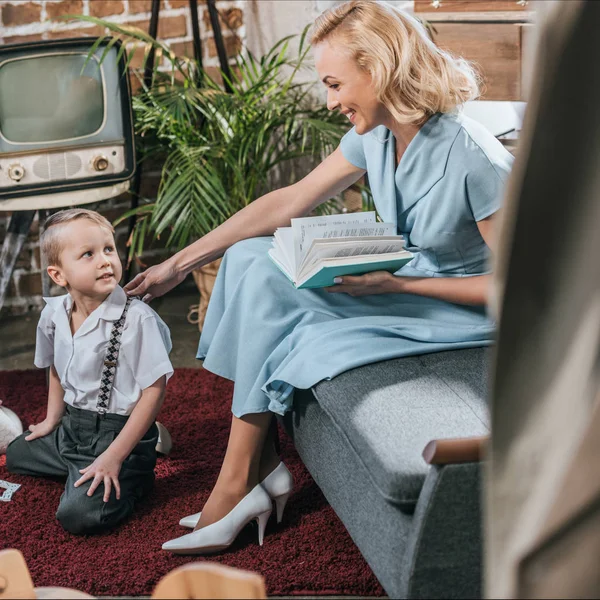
x,y
270,338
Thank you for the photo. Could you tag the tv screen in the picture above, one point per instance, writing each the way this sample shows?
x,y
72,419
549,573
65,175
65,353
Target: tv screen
x,y
51,98
65,118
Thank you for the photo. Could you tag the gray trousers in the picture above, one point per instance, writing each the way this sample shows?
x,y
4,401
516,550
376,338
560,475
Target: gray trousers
x,y
81,437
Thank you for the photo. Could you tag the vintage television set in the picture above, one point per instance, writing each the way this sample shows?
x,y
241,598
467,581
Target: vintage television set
x,y
66,131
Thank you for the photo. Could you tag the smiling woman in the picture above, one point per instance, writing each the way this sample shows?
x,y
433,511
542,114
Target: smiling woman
x,y
350,90
434,173
390,55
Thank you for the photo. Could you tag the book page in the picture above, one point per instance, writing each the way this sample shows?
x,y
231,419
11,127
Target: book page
x,y
283,245
328,249
363,264
359,231
364,230
317,227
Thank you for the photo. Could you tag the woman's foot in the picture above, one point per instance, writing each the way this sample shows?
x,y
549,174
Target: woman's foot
x,y
222,500
254,506
279,484
250,459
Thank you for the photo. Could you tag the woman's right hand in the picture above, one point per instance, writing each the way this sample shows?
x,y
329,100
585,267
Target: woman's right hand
x,y
155,281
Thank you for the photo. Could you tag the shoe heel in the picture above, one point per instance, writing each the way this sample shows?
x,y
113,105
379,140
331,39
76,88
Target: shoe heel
x,y
280,503
262,525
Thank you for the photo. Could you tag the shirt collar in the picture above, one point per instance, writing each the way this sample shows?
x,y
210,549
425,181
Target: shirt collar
x,y
61,307
110,310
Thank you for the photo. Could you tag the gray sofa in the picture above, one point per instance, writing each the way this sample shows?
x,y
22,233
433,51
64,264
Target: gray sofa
x,y
361,436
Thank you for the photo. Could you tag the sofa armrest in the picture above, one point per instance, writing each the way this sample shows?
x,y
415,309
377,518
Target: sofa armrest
x,y
444,549
453,451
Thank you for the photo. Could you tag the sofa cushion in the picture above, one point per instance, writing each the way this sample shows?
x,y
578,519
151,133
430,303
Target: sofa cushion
x,y
389,411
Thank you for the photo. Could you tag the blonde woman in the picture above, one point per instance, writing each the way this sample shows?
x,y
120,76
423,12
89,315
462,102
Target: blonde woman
x,y
436,174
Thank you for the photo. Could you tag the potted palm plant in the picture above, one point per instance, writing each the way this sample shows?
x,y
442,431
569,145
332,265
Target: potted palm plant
x,y
221,150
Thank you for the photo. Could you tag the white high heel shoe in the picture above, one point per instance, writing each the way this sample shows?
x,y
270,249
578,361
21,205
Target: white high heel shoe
x,y
256,505
278,484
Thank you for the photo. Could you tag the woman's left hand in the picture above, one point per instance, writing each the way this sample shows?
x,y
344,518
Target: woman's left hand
x,y
378,282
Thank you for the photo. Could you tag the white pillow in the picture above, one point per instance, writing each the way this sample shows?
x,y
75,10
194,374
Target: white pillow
x,y
10,428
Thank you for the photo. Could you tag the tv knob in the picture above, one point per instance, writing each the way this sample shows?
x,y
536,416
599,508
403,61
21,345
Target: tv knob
x,y
16,172
100,163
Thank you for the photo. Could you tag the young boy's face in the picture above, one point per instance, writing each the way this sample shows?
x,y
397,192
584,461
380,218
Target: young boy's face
x,y
89,263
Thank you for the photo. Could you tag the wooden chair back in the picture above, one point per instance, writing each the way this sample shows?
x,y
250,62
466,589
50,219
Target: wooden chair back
x,y
15,580
210,580
192,581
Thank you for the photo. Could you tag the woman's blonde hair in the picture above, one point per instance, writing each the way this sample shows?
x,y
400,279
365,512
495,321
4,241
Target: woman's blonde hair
x,y
411,76
52,241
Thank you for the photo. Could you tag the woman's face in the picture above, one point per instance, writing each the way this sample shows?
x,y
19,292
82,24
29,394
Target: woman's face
x,y
349,88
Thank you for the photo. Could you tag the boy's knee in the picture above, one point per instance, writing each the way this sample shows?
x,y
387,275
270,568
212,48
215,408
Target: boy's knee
x,y
79,514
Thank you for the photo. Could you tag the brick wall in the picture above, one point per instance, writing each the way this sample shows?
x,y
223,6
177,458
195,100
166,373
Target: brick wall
x,y
23,21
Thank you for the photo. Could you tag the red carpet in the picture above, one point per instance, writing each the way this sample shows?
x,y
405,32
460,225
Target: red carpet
x,y
309,553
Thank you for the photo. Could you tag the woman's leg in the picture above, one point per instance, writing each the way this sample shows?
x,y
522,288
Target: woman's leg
x,y
269,458
242,466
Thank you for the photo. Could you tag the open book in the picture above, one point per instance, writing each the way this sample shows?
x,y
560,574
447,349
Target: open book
x,y
314,250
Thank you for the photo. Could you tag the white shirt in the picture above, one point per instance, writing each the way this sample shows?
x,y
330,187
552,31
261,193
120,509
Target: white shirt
x,y
78,359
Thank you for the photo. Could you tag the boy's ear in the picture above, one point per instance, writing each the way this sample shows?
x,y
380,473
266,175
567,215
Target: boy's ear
x,y
55,273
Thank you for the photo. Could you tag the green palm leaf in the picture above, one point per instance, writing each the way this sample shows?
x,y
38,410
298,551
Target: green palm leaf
x,y
220,150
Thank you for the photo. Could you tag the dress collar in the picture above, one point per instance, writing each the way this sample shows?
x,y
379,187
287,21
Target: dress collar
x,y
110,310
424,161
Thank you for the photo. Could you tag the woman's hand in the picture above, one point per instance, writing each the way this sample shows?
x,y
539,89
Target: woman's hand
x,y
378,282
155,281
41,429
105,469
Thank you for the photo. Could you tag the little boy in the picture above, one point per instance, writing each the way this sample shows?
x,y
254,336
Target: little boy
x,y
109,364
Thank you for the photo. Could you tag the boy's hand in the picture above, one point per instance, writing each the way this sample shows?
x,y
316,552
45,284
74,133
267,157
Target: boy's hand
x,y
104,469
41,429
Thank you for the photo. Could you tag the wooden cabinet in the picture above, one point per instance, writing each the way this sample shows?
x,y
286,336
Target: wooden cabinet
x,y
495,48
492,39
469,5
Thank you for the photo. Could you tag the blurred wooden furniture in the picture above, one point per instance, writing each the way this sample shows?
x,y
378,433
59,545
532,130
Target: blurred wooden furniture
x,y
543,489
210,580
455,451
492,34
195,580
16,582
564,559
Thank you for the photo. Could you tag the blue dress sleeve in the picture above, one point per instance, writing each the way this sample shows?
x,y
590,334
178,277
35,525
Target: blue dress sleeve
x,y
352,149
485,186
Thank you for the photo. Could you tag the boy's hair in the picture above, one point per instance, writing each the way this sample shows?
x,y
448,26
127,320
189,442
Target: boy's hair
x,y
51,240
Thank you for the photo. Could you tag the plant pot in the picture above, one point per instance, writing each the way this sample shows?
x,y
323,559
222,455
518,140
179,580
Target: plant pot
x,y
205,281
